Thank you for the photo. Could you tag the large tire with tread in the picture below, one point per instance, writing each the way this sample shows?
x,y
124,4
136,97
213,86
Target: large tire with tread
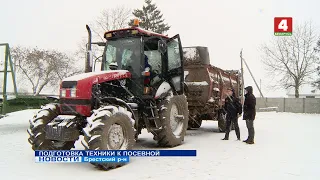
x,y
109,128
222,122
174,116
37,132
195,124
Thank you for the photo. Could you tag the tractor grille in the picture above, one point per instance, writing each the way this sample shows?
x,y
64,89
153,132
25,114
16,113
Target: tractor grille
x,y
75,106
60,130
75,101
69,84
68,109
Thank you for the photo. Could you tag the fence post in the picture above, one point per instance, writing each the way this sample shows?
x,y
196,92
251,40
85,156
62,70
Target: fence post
x,y
266,102
284,104
304,105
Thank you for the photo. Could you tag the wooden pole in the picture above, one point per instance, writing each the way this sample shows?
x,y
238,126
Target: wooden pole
x,y
242,59
242,78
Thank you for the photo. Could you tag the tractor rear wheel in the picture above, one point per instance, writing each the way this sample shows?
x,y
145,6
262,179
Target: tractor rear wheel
x,y
37,132
174,117
109,128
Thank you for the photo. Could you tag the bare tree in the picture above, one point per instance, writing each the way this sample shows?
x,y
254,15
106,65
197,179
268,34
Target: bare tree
x,y
109,19
293,58
41,68
316,83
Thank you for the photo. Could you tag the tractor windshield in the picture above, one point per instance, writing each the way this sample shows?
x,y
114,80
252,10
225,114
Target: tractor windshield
x,y
125,52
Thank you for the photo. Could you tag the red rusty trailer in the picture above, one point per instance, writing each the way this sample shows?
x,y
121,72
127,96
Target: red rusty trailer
x,y
206,86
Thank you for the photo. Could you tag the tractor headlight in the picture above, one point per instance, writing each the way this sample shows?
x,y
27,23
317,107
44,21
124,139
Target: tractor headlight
x,y
63,93
73,92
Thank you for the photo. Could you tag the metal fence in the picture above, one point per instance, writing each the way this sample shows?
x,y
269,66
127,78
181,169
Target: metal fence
x,y
294,105
24,101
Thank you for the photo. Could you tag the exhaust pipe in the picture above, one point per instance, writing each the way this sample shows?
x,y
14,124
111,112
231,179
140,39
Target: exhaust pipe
x,y
88,65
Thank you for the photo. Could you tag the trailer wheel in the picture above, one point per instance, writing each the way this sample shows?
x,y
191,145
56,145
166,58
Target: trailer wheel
x,y
174,117
109,128
222,122
37,132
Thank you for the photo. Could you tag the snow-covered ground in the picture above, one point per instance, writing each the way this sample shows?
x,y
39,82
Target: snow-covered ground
x,y
287,147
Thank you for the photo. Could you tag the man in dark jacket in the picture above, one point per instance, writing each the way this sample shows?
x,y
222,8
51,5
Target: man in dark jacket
x,y
233,108
249,113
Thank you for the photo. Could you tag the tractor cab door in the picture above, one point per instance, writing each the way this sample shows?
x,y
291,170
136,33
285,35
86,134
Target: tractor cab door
x,y
174,65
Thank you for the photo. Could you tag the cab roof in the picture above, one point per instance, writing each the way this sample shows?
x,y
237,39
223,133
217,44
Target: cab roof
x,y
139,30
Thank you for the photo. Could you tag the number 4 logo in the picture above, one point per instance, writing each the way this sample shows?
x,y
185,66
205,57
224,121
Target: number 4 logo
x,y
283,26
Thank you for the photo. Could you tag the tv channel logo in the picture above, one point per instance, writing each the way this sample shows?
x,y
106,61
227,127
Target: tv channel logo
x,y
283,26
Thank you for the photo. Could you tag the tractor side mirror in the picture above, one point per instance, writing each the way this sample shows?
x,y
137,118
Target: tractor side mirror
x,y
162,46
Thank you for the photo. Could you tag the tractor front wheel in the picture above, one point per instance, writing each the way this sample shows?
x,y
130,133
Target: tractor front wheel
x,y
37,132
174,115
109,128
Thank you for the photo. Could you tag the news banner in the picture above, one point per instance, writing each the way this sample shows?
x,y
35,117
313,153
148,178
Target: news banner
x,y
103,156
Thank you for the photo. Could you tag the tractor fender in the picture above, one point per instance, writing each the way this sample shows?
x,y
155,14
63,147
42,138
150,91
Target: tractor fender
x,y
163,89
52,98
119,102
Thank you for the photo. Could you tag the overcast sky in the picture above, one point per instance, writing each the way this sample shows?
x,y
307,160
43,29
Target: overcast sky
x,y
223,26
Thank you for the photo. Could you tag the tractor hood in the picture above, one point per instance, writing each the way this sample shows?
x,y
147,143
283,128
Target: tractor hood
x,y
82,83
101,76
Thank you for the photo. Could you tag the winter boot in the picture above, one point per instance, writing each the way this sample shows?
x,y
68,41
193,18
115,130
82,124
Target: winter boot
x,y
245,140
250,142
226,137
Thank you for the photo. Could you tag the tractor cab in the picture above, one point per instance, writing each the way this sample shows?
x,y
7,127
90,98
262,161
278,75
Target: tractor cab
x,y
151,58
